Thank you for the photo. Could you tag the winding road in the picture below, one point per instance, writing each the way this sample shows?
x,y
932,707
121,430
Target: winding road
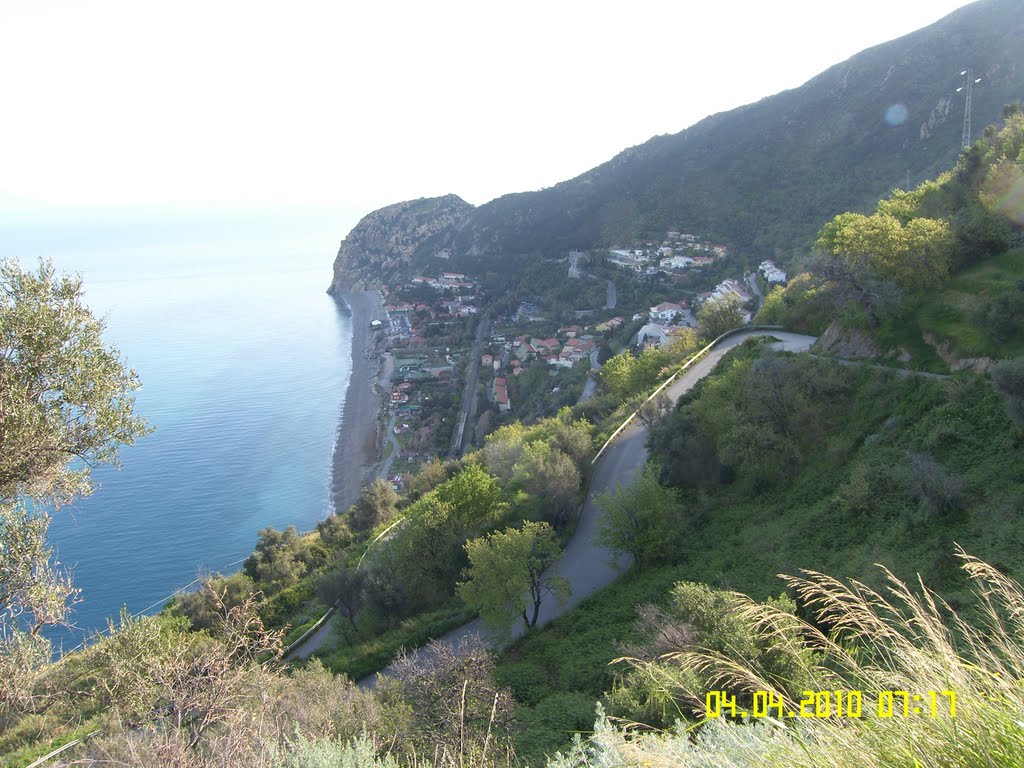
x,y
588,566
385,467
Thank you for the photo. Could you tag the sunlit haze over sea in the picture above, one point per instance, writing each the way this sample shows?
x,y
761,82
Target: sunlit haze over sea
x,y
244,360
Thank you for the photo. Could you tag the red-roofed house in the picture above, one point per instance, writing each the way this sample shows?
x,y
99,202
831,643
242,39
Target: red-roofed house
x,y
499,393
666,311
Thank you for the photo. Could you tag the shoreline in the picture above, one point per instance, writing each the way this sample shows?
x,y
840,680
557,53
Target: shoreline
x,y
356,454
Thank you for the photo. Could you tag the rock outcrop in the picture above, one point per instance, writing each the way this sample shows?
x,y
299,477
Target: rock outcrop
x,y
847,343
390,241
944,349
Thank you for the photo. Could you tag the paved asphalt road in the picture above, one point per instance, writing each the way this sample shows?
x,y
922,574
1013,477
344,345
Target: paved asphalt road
x,y
587,566
610,302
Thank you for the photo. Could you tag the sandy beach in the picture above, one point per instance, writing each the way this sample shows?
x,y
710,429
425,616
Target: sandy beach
x,y
356,442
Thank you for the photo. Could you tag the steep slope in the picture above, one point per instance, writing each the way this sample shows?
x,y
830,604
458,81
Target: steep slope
x,y
764,177
384,242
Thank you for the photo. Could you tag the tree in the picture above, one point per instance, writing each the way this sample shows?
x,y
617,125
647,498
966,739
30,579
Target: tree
x,y
773,308
865,253
430,475
279,559
510,575
687,456
426,552
502,449
63,395
1000,317
571,436
549,475
346,590
335,532
377,504
716,316
642,520
654,410
626,375
204,606
476,498
854,281
458,708
617,373
172,690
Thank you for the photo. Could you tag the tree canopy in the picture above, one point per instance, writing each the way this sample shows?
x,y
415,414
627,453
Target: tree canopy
x,y
66,405
642,520
510,575
716,316
64,394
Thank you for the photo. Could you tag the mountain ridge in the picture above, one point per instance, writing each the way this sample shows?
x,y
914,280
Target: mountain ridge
x,y
763,176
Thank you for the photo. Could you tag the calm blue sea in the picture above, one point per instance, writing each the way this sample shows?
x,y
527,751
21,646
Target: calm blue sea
x,y
244,362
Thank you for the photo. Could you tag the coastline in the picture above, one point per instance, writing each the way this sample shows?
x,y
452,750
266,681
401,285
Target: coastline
x,y
356,453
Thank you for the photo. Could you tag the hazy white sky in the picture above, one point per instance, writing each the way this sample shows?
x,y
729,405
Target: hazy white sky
x,y
355,105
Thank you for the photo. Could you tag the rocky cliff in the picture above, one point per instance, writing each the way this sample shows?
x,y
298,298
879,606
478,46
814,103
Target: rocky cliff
x,y
391,241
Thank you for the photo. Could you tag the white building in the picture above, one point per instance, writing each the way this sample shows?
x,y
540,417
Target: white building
x,y
677,262
729,287
666,311
771,272
652,333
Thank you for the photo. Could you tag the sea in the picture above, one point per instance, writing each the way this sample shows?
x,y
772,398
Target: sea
x,y
244,362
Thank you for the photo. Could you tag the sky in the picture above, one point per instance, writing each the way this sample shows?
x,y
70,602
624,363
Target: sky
x,y
111,107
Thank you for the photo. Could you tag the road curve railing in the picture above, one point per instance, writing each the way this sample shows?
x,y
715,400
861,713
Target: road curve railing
x,y
682,369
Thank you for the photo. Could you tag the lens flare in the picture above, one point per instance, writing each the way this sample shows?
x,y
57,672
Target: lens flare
x,y
1003,191
896,115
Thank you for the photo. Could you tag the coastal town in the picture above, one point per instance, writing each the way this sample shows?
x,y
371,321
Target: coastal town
x,y
454,370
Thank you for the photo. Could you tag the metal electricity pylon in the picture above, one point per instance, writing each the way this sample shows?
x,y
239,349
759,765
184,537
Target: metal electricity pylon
x,y
967,86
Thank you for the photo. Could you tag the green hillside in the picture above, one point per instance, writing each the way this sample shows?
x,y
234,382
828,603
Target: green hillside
x,y
786,463
898,442
761,178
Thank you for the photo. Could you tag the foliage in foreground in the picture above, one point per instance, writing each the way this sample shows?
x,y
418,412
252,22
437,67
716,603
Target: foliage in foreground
x,y
896,639
64,395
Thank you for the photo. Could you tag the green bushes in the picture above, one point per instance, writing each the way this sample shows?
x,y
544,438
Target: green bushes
x,y
279,610
1008,379
362,656
552,673
899,640
644,520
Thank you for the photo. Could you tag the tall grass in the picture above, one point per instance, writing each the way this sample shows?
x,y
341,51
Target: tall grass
x,y
901,638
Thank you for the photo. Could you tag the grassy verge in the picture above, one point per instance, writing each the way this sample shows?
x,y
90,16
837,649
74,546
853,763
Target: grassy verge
x,y
947,314
31,750
559,674
358,657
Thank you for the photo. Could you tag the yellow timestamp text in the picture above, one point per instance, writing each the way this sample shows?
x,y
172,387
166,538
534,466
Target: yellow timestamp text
x,y
837,703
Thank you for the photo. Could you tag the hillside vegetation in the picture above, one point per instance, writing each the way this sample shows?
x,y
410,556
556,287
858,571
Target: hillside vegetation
x,y
781,463
775,463
934,271
761,177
